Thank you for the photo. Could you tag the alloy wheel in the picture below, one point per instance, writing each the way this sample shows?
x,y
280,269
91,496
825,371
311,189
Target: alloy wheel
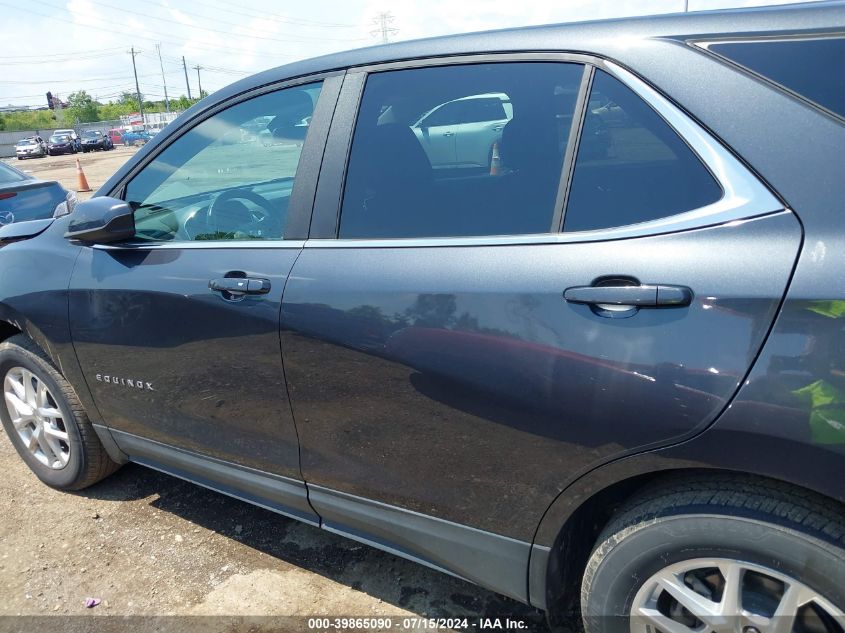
x,y
730,596
36,417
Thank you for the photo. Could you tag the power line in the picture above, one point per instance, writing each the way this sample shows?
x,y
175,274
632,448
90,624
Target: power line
x,y
126,33
275,17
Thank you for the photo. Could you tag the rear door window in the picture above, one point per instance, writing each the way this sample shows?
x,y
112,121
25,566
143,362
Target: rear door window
x,y
631,165
464,150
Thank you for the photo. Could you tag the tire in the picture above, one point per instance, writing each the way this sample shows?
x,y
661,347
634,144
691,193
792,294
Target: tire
x,y
691,530
87,461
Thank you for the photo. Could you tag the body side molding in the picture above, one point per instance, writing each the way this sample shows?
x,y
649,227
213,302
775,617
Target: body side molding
x,y
271,492
496,562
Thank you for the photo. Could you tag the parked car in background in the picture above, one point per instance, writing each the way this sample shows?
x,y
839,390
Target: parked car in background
x,y
462,132
31,147
115,135
606,379
61,144
23,197
72,134
135,137
95,139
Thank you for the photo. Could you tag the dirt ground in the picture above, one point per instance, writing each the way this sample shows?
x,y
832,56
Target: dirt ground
x,y
147,544
97,166
160,553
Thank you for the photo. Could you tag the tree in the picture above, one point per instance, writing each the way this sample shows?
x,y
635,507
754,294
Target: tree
x,y
82,108
129,98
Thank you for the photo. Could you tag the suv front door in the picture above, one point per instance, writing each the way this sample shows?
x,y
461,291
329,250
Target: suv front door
x,y
178,332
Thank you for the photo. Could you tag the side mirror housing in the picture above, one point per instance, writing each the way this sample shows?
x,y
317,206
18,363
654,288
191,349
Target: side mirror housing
x,y
101,220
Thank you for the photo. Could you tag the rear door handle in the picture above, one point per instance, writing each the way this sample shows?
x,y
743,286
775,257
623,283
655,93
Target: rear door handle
x,y
240,285
643,296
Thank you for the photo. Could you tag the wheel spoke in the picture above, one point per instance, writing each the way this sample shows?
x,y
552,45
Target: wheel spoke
x,y
15,385
784,617
731,604
660,621
29,389
32,441
54,432
21,408
696,604
49,412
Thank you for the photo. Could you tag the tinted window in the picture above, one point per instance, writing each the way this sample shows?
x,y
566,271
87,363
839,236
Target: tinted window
x,y
495,173
230,177
811,68
631,166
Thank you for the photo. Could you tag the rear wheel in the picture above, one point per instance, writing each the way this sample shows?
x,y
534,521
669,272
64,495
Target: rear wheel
x,y
733,555
45,420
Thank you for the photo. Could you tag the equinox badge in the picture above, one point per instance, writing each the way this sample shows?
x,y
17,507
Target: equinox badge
x,y
125,382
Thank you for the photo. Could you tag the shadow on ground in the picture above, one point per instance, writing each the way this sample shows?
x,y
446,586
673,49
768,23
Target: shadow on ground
x,y
384,576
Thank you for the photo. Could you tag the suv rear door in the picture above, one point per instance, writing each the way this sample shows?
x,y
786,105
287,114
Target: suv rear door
x,y
434,364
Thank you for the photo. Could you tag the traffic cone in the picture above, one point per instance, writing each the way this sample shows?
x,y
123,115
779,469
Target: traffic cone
x,y
495,160
81,181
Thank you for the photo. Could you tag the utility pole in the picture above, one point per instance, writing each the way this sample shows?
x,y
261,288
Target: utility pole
x,y
187,83
163,80
383,21
133,52
199,81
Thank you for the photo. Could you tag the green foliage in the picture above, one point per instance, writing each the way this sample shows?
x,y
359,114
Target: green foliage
x,y
33,120
82,108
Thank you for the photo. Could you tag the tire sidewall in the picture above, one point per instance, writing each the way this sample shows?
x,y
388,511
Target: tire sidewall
x,y
641,551
13,356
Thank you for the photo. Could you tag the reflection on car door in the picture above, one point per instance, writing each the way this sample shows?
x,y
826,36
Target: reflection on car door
x,y
450,377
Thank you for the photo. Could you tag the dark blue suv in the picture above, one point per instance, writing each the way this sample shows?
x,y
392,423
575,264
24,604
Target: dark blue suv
x,y
601,370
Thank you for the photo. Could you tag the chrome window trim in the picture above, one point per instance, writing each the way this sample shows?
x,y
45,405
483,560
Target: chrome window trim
x,y
604,235
744,196
146,246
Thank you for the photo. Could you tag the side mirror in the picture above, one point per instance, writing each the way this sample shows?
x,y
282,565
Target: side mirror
x,y
102,220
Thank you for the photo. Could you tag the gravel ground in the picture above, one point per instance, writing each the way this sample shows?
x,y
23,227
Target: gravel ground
x,y
156,550
147,544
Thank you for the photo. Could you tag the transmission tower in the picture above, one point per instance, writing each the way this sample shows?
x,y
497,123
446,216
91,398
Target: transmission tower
x,y
383,28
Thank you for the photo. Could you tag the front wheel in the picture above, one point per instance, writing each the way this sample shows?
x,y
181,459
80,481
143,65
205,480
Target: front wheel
x,y
728,556
45,420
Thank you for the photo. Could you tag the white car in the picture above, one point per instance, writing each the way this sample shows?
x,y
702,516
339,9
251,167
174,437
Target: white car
x,y
462,132
30,148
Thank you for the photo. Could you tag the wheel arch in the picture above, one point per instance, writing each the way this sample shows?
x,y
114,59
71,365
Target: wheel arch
x,y
568,530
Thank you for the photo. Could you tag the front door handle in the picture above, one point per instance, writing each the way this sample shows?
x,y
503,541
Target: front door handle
x,y
642,296
239,286
448,134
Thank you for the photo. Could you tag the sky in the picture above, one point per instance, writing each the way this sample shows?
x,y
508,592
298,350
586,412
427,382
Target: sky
x,y
64,46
